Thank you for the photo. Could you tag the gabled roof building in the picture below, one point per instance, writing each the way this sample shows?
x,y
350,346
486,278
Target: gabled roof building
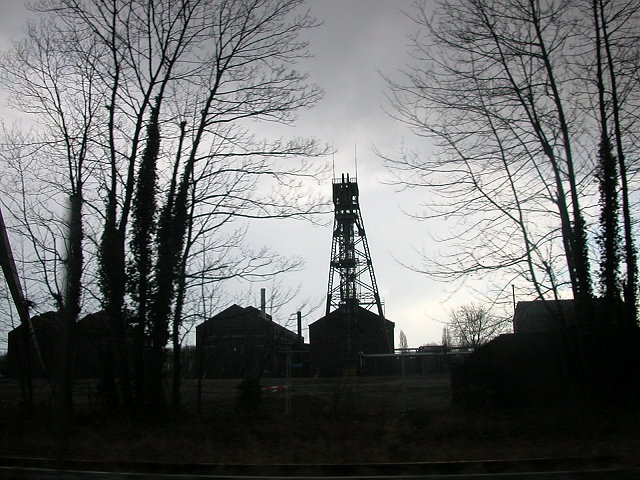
x,y
91,336
543,315
337,339
243,342
539,316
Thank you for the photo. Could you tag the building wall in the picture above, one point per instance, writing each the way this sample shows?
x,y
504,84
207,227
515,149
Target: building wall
x,y
543,316
337,340
47,333
239,343
91,334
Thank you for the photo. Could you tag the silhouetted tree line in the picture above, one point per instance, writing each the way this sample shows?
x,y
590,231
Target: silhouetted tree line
x,y
145,112
530,105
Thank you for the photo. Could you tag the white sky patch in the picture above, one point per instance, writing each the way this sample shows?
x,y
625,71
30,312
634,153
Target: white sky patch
x,y
11,21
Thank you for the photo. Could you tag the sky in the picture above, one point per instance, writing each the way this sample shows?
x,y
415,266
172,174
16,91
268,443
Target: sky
x,y
358,43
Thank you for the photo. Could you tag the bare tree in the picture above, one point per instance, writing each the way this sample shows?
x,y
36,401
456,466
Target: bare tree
x,y
50,80
612,33
210,259
179,87
276,93
494,86
473,325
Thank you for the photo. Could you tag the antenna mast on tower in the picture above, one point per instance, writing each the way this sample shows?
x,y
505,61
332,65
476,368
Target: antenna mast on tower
x,y
350,256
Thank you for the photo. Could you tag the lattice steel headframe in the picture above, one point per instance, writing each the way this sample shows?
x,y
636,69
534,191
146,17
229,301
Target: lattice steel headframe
x,y
350,256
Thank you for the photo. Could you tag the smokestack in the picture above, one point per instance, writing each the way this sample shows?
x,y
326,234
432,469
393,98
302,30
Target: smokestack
x,y
263,302
300,341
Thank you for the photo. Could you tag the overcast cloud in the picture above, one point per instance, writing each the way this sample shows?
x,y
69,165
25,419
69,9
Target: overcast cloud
x,y
358,41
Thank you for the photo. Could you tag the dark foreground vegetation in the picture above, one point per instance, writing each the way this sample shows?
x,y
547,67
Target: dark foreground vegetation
x,y
326,421
597,369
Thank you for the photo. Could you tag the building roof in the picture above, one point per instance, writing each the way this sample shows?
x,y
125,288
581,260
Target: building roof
x,y
236,313
359,312
46,320
543,315
544,307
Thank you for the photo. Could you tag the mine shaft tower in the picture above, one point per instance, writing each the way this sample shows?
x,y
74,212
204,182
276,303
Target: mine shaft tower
x,y
350,257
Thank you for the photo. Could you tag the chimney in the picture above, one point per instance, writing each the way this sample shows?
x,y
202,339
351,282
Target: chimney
x,y
263,303
300,340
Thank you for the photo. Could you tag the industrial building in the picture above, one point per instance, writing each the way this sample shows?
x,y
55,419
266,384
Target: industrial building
x,y
543,316
538,316
349,326
244,342
34,352
337,339
44,343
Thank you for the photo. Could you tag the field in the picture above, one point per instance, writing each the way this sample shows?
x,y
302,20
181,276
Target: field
x,y
334,420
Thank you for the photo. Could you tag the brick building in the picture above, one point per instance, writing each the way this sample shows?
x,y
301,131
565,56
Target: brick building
x,y
243,342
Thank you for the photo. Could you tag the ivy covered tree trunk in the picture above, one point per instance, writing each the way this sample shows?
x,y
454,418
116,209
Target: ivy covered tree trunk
x,y
181,289
609,235
176,400
608,238
630,288
143,229
112,283
170,242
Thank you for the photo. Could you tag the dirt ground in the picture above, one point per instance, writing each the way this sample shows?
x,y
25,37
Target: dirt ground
x,y
317,420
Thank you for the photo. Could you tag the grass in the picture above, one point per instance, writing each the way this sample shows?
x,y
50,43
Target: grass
x,y
335,421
